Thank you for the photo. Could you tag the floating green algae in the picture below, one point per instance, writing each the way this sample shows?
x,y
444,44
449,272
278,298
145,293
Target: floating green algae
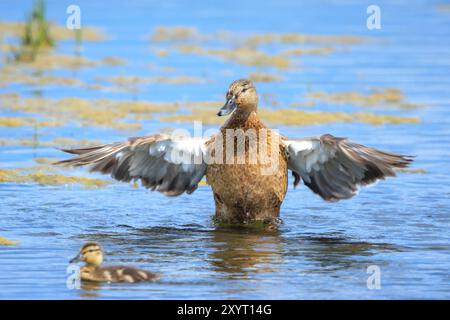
x,y
7,242
296,117
264,77
97,112
47,179
21,122
391,97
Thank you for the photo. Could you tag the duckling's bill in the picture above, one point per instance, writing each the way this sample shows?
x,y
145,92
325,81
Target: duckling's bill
x,y
75,259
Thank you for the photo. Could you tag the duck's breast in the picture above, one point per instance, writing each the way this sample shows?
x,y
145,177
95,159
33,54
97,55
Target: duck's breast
x,y
251,176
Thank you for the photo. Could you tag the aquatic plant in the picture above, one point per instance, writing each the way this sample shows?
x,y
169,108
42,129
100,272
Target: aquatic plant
x,y
12,74
13,122
385,97
36,34
42,178
299,38
7,242
188,34
241,55
308,51
296,117
98,112
58,142
264,77
57,32
175,34
113,61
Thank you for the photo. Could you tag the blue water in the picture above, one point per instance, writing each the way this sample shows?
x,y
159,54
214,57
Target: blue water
x,y
322,250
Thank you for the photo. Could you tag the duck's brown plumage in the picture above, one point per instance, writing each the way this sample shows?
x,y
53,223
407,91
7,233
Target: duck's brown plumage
x,y
241,192
331,167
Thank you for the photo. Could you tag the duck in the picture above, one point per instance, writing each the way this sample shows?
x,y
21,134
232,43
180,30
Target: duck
x,y
249,180
92,254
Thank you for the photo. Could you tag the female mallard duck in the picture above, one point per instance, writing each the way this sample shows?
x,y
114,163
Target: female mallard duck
x,y
91,253
243,189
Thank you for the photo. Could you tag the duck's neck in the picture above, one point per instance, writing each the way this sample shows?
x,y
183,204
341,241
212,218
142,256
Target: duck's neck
x,y
91,267
244,119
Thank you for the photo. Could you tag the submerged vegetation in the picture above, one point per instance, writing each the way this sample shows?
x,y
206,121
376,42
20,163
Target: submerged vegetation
x,y
58,142
297,117
183,34
96,112
264,77
7,242
128,114
43,178
13,122
56,32
242,55
247,49
388,97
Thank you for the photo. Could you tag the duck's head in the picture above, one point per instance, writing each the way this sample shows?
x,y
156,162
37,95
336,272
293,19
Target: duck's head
x,y
240,96
91,253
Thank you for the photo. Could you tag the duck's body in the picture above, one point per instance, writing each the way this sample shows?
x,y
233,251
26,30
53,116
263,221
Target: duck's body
x,y
92,254
116,274
242,193
248,185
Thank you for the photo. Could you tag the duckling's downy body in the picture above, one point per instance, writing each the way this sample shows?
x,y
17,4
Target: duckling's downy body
x,y
92,254
244,191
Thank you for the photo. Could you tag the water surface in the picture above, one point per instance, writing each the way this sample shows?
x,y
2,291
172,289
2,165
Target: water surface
x,y
322,250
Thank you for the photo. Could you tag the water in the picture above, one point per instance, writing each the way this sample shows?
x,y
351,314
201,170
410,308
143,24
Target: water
x,y
322,250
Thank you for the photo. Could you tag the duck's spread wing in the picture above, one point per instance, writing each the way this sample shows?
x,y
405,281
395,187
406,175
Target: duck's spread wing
x,y
169,165
334,167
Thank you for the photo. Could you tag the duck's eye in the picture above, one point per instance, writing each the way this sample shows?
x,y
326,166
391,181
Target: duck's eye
x,y
229,101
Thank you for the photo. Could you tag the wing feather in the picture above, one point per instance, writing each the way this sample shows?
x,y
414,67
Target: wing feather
x,y
333,167
165,164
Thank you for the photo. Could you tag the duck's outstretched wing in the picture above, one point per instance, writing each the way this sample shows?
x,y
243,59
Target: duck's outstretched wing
x,y
168,165
334,167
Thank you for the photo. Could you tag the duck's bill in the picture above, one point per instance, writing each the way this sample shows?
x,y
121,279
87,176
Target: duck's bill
x,y
229,106
75,259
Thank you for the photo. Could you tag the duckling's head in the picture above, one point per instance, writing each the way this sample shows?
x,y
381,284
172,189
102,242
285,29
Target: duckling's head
x,y
91,253
241,96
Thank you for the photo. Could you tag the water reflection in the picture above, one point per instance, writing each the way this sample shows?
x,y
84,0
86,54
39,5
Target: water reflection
x,y
238,253
90,289
330,252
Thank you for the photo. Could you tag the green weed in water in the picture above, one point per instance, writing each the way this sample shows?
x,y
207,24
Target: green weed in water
x,y
36,34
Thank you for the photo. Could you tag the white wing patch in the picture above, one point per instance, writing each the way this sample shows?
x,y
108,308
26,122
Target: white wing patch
x,y
170,166
334,168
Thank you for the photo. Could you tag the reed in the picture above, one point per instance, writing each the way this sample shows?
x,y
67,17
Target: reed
x,y
36,35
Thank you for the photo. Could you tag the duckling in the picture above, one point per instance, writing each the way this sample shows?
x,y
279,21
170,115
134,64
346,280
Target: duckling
x,y
332,167
92,254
